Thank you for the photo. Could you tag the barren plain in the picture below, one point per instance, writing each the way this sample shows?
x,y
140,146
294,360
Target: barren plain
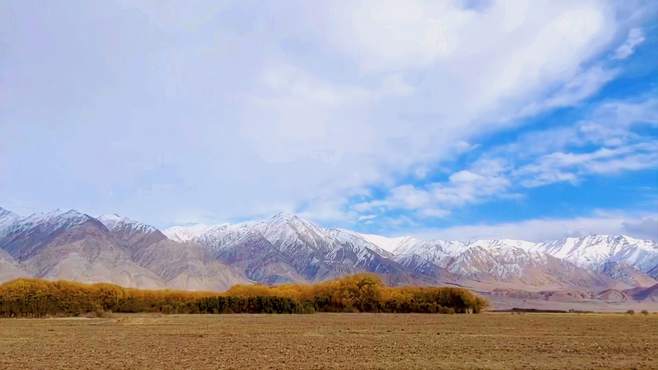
x,y
328,341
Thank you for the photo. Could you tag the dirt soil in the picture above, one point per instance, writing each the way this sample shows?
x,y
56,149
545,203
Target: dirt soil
x,y
327,341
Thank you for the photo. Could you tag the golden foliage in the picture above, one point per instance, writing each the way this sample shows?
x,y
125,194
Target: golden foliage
x,y
356,293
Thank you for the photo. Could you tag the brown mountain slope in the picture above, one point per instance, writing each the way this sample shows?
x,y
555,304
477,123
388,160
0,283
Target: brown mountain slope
x,y
9,267
88,253
179,265
187,266
649,294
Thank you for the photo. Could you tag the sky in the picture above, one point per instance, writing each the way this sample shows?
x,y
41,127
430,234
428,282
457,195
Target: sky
x,y
442,119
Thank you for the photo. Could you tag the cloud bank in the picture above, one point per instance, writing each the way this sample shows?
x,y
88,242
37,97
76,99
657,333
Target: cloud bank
x,y
219,111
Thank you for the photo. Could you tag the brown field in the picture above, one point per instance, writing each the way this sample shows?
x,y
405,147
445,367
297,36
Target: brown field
x,y
320,341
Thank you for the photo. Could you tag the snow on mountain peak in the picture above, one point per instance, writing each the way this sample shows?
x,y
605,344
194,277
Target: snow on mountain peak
x,y
285,216
389,244
312,250
592,251
7,218
186,233
5,213
504,244
291,222
57,217
51,221
112,217
114,221
291,234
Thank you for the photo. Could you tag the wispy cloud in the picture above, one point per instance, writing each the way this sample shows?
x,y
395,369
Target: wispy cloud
x,y
634,39
484,180
229,110
570,167
643,226
603,143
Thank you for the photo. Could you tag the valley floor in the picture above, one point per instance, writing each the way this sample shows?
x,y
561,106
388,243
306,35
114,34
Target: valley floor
x,y
507,303
320,341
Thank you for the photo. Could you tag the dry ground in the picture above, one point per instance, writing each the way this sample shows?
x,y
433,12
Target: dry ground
x,y
319,341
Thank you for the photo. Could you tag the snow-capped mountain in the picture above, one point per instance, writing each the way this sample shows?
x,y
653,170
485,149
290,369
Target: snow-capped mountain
x,y
438,252
131,233
288,248
180,265
291,248
509,261
390,245
50,221
25,237
594,251
74,246
115,222
447,253
186,233
7,218
302,249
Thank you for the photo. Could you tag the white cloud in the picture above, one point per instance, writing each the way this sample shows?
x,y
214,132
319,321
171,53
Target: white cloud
x,y
560,167
610,124
634,39
392,35
643,111
645,226
343,133
243,109
637,225
433,213
366,218
603,143
483,181
582,85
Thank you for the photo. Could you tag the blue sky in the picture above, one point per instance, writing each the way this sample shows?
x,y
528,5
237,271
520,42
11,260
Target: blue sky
x,y
445,119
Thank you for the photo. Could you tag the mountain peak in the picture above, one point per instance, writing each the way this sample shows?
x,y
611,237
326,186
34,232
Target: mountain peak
x,y
285,216
58,216
4,211
593,240
291,247
293,221
186,233
7,218
112,217
7,214
503,244
114,221
389,244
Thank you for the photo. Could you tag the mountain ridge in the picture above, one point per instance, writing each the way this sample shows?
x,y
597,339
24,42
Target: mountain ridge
x,y
287,248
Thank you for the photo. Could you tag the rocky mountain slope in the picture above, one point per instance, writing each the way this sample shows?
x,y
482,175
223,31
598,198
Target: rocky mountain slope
x,y
7,218
9,267
593,261
287,248
595,251
74,246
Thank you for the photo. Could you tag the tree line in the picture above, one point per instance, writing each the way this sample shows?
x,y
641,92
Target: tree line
x,y
356,293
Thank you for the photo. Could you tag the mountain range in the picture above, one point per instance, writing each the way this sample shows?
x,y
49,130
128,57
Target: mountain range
x,y
287,248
